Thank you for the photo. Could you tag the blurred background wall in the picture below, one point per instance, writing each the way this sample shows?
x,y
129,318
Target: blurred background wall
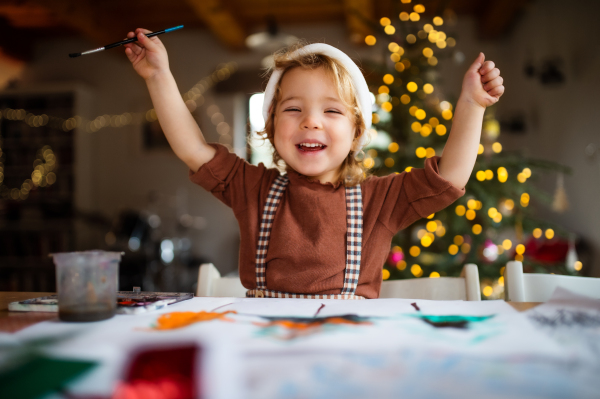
x,y
120,181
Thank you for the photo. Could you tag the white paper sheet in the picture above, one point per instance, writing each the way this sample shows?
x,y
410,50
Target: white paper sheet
x,y
573,321
394,349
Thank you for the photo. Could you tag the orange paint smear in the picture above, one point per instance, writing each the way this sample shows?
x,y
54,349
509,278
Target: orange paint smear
x,y
304,326
175,320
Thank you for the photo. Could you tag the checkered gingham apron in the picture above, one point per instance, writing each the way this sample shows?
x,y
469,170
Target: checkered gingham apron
x,y
354,221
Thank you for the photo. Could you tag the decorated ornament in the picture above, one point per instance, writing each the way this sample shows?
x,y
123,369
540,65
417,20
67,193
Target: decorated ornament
x,y
490,251
491,129
395,257
572,257
560,203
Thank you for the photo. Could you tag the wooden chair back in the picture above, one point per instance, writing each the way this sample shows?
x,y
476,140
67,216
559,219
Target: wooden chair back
x,y
537,287
466,287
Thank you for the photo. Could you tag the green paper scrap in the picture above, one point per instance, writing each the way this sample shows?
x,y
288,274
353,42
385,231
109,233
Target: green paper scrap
x,y
41,376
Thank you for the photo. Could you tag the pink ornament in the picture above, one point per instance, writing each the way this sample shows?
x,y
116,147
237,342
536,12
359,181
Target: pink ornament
x,y
396,257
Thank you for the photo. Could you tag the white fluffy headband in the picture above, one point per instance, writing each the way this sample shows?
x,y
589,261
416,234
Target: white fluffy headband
x,y
362,91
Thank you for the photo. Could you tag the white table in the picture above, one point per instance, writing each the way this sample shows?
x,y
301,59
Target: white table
x,y
396,351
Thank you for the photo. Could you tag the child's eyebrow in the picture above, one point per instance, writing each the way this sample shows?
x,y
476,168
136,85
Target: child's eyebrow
x,y
337,100
289,99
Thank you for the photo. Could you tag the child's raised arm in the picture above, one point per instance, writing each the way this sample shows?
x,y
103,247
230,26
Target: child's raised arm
x,y
482,87
149,59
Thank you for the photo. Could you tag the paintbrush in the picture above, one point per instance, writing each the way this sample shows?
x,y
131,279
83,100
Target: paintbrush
x,y
117,44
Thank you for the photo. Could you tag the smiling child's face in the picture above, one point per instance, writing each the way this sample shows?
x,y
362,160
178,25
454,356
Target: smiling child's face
x,y
313,128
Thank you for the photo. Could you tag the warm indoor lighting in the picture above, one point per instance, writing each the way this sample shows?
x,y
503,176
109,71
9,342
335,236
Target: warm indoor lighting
x,y
385,274
416,270
447,114
414,251
453,249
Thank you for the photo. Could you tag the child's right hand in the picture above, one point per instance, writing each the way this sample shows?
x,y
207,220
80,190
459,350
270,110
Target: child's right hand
x,y
148,55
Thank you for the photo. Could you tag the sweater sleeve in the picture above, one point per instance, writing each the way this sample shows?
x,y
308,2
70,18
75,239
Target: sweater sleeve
x,y
407,197
229,178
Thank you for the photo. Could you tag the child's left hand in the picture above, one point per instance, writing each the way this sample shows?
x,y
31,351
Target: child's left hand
x,y
482,84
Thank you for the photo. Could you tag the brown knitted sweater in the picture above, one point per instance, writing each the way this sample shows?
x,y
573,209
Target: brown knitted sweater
x,y
308,241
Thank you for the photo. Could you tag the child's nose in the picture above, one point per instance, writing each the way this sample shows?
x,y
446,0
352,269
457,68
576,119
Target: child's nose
x,y
311,121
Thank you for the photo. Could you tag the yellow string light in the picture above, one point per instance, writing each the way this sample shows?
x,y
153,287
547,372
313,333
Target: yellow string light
x,y
192,98
45,162
416,270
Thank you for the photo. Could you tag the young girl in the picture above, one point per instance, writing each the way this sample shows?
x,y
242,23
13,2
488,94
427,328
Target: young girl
x,y
322,230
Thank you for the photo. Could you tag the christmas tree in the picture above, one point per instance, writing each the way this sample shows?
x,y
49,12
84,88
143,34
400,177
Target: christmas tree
x,y
494,222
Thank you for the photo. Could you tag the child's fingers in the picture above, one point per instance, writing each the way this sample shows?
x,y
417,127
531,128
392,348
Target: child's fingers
x,y
131,35
130,54
135,49
147,42
496,91
491,75
486,67
145,32
476,65
493,83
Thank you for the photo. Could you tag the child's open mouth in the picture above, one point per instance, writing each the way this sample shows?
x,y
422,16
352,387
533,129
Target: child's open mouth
x,y
310,147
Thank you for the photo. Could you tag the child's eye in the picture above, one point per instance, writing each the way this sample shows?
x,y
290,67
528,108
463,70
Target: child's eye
x,y
334,111
292,109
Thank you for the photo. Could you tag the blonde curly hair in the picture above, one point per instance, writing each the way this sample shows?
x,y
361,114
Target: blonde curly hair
x,y
353,171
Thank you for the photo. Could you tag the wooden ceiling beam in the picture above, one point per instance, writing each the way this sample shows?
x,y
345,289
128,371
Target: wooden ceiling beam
x,y
498,16
220,21
359,17
80,16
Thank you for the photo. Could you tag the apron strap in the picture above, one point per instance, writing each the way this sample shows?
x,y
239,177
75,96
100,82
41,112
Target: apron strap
x,y
354,222
264,233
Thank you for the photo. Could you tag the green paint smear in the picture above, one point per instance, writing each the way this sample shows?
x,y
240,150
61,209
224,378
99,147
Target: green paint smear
x,y
454,319
39,376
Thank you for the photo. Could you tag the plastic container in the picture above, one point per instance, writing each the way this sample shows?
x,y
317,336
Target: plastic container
x,y
87,284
